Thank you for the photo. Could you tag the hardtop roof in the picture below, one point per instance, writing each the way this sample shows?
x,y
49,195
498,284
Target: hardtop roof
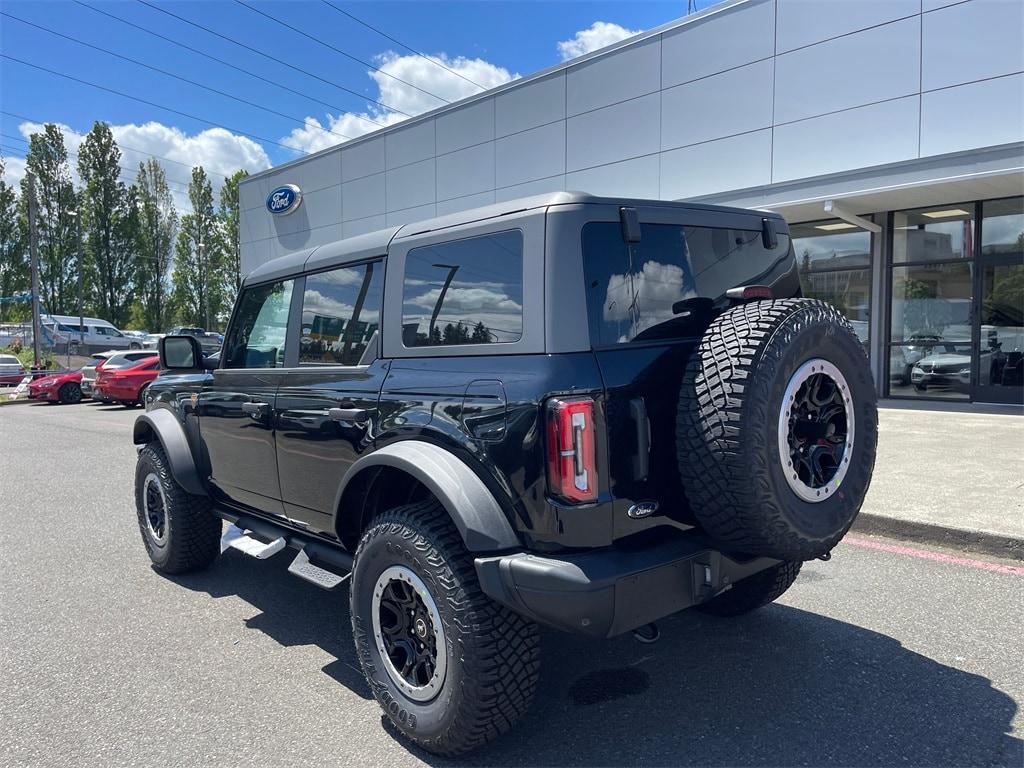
x,y
376,243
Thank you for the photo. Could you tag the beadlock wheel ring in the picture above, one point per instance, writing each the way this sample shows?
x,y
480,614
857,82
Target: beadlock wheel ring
x,y
154,507
408,632
816,430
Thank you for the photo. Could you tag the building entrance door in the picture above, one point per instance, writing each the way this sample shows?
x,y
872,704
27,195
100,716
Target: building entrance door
x,y
999,330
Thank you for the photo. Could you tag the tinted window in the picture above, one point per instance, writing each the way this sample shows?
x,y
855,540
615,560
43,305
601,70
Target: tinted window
x,y
464,292
340,314
257,335
632,292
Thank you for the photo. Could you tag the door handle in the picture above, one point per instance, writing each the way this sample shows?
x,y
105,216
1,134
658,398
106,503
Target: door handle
x,y
257,410
358,415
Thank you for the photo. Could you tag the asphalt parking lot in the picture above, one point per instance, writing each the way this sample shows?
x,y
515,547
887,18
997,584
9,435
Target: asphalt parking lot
x,y
879,657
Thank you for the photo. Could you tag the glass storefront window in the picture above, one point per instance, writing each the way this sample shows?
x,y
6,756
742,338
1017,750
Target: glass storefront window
x,y
1001,352
834,259
936,233
931,301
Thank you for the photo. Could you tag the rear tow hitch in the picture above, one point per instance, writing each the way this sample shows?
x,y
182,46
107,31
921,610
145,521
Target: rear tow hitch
x,y
648,633
826,557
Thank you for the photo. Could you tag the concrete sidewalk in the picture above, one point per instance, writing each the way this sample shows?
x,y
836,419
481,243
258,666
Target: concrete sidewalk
x,y
949,478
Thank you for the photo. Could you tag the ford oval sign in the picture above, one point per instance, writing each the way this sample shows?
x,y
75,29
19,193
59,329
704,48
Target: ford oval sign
x,y
284,200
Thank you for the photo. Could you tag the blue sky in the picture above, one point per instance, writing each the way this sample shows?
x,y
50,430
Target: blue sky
x,y
487,42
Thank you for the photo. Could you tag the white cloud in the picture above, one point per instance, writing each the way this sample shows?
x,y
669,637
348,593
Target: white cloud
x,y
600,34
469,300
14,169
218,150
654,289
400,97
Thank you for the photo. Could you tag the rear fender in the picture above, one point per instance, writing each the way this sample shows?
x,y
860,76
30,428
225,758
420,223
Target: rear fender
x,y
479,518
160,425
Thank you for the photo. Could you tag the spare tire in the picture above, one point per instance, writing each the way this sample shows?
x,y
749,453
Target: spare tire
x,y
777,428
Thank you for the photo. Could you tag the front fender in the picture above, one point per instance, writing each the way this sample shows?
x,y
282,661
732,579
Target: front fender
x,y
160,425
475,512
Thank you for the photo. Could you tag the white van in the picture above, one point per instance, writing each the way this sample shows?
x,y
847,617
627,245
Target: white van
x,y
93,333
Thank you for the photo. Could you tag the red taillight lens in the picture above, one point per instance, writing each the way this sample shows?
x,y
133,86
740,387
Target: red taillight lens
x,y
572,465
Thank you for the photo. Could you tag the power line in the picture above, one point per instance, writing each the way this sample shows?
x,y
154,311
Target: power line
x,y
183,187
338,50
400,43
119,144
235,67
144,101
138,63
265,55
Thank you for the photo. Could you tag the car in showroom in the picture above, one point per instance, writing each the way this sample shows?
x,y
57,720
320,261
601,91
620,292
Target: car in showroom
x,y
61,387
127,383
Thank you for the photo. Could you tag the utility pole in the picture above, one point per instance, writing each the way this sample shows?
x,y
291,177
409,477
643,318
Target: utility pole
x,y
33,249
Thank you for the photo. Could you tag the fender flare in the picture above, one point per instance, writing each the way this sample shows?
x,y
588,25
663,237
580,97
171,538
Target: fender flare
x,y
162,425
478,516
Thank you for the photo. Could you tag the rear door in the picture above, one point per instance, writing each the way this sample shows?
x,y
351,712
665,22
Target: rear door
x,y
236,406
648,305
327,406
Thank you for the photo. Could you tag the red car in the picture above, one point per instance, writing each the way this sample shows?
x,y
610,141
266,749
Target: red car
x,y
126,385
63,387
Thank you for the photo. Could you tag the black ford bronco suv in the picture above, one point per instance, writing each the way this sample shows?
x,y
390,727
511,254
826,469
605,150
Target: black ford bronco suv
x,y
581,412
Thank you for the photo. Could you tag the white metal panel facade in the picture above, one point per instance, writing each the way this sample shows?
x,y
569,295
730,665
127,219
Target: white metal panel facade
x,y
742,102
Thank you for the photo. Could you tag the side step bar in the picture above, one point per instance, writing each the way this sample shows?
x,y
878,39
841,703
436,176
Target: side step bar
x,y
317,563
245,541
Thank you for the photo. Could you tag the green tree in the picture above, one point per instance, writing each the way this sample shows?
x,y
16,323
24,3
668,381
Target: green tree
x,y
13,249
229,215
110,225
198,257
158,222
57,231
480,334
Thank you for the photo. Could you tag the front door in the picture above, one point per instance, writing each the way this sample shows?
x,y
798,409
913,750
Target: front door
x,y
327,406
1000,375
236,408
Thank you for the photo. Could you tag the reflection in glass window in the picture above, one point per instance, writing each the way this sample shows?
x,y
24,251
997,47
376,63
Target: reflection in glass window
x,y
1002,294
464,292
258,332
834,244
633,292
933,234
340,314
932,302
829,255
1002,227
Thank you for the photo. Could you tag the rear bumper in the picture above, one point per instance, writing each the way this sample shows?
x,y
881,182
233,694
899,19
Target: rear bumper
x,y
608,591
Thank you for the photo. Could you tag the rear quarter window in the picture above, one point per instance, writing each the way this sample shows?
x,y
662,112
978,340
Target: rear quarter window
x,y
467,291
633,290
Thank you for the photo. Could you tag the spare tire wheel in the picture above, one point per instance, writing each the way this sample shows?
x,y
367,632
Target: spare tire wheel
x,y
777,428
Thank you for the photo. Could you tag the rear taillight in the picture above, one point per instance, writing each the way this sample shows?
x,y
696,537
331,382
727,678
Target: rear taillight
x,y
572,465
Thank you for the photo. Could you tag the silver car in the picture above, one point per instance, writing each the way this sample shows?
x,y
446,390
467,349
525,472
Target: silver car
x,y
89,369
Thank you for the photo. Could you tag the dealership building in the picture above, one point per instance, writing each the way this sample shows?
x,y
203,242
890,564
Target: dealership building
x,y
890,135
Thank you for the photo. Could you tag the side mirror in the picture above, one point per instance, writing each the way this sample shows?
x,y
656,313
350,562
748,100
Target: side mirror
x,y
180,353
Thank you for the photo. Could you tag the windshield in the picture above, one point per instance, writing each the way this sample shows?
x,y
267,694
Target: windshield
x,y
9,360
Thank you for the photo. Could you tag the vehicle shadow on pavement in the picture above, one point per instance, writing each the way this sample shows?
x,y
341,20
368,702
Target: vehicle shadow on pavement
x,y
781,686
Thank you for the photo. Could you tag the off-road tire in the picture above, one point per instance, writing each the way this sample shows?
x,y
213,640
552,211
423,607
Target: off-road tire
x,y
192,536
493,654
70,393
754,591
728,423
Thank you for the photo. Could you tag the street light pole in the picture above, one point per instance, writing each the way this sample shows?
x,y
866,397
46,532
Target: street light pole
x,y
81,270
33,248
